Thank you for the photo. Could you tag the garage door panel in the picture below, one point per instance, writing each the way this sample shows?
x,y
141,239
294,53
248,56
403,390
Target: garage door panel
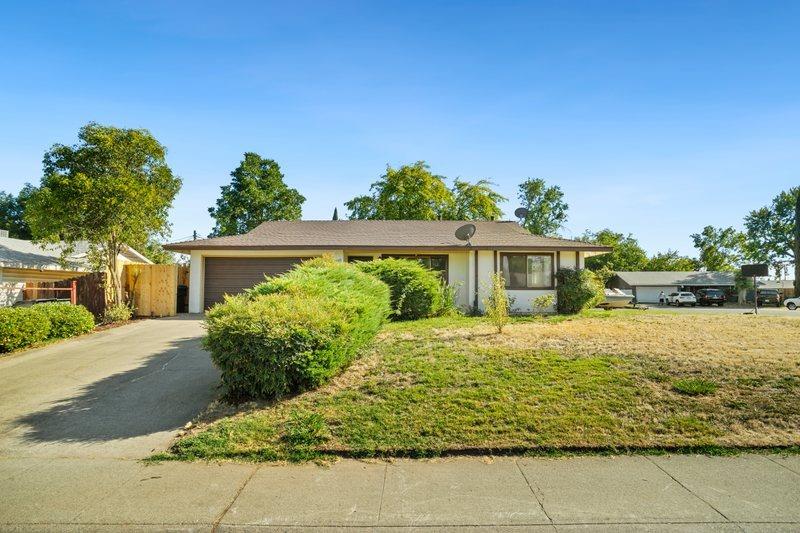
x,y
231,275
649,295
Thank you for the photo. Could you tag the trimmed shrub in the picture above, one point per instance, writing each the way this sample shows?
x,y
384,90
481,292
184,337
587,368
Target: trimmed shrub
x,y
416,290
21,327
67,320
296,331
576,290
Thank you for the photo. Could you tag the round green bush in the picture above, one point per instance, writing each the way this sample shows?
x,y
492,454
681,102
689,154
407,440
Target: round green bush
x,y
296,331
576,290
416,290
67,320
21,327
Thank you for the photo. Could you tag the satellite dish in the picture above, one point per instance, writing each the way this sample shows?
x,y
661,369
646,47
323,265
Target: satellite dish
x,y
520,212
465,232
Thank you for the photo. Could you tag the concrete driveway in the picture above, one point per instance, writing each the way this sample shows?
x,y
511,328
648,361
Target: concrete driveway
x,y
120,393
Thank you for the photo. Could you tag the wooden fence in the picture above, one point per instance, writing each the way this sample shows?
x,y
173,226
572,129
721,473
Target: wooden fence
x,y
90,291
153,289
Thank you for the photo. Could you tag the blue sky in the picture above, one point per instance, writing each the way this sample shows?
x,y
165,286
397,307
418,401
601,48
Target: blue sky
x,y
655,118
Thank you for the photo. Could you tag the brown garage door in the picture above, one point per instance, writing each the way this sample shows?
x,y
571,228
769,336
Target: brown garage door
x,y
231,275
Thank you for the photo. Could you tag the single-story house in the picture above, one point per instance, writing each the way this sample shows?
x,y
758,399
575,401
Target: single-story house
x,y
784,286
646,286
226,265
25,263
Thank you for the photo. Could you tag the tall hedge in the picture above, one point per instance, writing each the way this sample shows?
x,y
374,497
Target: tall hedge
x,y
416,290
576,290
296,331
21,327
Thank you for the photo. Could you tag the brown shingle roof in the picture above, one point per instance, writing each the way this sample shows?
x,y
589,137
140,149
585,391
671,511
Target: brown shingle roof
x,y
367,234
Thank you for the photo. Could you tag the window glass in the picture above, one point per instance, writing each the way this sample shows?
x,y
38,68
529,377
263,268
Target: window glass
x,y
437,263
514,270
540,269
523,271
359,258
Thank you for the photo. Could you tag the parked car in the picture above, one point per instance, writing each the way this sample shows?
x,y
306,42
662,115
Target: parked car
x,y
679,299
792,303
28,303
711,297
769,297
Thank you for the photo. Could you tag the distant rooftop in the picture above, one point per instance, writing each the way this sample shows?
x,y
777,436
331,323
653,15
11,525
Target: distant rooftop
x,y
693,278
19,253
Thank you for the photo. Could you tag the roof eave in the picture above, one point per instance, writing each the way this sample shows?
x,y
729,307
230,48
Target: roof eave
x,y
183,248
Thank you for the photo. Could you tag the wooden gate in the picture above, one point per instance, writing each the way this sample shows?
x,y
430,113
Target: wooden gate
x,y
153,289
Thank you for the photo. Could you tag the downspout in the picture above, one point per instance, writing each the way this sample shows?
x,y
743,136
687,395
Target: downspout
x,y
476,281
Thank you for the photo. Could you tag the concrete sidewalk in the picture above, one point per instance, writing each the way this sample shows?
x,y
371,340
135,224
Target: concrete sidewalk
x,y
630,493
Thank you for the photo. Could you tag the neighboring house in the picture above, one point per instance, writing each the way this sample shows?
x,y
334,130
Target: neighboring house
x,y
24,262
784,286
226,265
646,286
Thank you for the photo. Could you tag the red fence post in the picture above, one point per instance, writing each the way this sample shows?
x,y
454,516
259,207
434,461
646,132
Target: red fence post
x,y
73,293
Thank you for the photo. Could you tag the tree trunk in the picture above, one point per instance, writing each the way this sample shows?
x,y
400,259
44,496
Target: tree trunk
x,y
115,290
797,244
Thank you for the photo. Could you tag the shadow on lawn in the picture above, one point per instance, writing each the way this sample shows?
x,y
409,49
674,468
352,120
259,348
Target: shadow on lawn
x,y
166,391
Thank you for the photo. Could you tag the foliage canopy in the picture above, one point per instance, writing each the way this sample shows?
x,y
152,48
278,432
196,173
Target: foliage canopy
x,y
413,192
547,210
12,210
256,194
720,248
113,188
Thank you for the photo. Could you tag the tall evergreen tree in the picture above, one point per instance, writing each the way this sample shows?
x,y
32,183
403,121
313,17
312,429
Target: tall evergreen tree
x,y
256,194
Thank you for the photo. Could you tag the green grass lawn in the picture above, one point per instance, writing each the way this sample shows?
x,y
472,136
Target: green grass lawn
x,y
602,382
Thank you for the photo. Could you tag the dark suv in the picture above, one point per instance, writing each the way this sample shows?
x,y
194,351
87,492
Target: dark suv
x,y
710,297
769,297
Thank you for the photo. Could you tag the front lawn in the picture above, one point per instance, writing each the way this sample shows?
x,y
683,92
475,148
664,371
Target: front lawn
x,y
601,381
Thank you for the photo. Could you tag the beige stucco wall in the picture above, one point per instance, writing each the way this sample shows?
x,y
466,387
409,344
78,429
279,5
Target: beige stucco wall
x,y
461,271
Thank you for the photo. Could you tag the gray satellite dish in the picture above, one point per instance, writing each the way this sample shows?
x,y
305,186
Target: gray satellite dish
x,y
465,232
520,212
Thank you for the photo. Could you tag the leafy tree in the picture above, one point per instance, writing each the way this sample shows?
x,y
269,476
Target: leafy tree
x,y
773,235
720,249
547,210
155,252
410,192
111,189
12,210
335,213
475,201
413,192
627,254
256,194
671,261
